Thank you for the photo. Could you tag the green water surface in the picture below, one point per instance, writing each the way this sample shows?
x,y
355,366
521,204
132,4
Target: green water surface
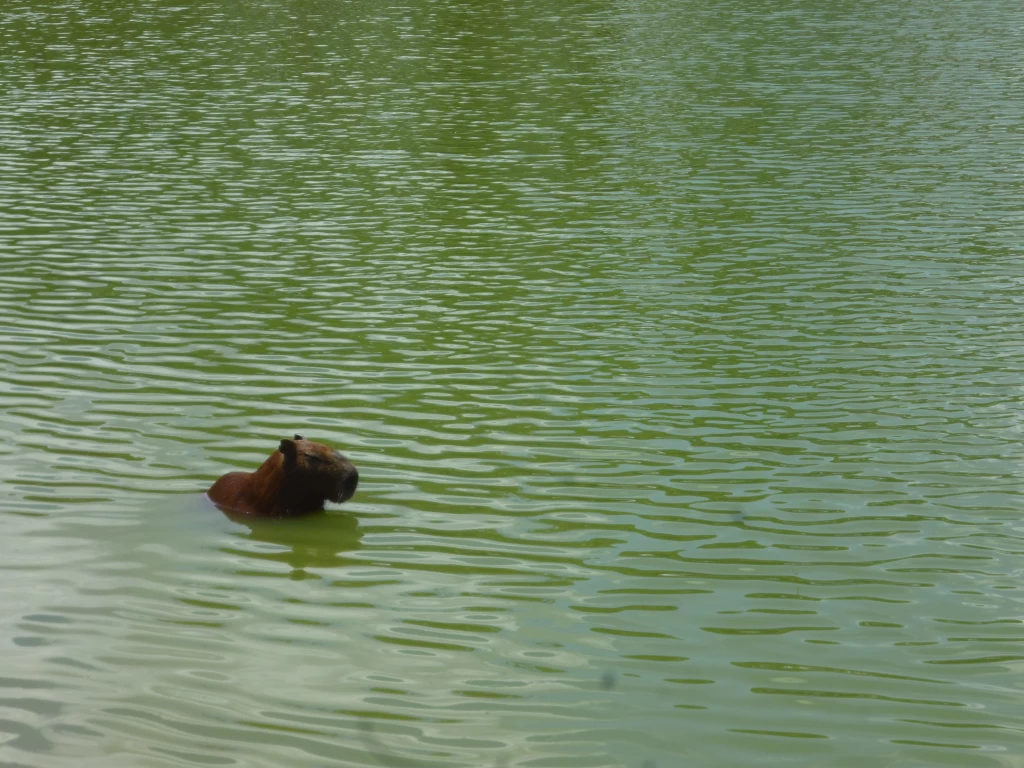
x,y
679,346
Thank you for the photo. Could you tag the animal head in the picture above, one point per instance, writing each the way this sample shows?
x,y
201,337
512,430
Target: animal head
x,y
318,469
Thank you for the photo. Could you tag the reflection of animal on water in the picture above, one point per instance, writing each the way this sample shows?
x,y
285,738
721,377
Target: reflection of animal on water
x,y
296,480
319,541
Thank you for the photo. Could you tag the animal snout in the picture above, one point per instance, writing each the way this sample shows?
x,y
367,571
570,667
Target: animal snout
x,y
347,481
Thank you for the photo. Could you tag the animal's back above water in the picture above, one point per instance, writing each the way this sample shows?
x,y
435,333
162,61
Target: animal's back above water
x,y
296,480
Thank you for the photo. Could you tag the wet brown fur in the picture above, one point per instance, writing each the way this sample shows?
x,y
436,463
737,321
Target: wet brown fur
x,y
296,480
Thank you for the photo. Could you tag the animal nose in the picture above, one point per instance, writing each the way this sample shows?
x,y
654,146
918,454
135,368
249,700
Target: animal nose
x,y
349,481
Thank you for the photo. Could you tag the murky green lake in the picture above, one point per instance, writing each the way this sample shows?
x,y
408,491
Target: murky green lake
x,y
679,346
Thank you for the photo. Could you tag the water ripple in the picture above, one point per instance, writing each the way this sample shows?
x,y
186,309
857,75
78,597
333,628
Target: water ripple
x,y
676,348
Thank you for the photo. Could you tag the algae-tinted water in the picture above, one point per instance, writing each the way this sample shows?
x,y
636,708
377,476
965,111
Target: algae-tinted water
x,y
678,346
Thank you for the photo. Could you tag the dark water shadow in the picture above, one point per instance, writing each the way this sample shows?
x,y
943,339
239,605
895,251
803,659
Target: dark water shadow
x,y
313,541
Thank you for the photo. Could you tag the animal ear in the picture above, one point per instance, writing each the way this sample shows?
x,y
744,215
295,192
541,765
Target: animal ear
x,y
299,437
289,449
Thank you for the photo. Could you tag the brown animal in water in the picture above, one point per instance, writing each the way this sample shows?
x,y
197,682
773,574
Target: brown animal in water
x,y
297,479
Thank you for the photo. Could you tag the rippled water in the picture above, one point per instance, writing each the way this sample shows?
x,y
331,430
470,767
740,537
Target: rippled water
x,y
678,346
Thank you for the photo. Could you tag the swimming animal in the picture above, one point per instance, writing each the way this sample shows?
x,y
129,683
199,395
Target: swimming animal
x,y
296,480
